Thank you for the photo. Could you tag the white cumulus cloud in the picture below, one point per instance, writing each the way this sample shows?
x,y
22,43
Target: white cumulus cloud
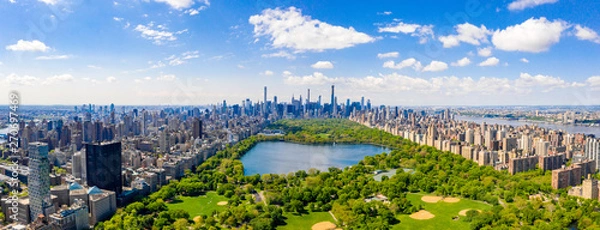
x,y
322,65
316,78
58,78
462,62
584,33
523,4
435,66
484,52
388,55
533,35
424,32
34,45
178,4
288,28
410,62
524,60
467,33
492,61
53,57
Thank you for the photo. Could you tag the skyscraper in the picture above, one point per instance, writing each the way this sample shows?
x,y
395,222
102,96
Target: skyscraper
x,y
265,102
39,180
103,166
332,99
197,128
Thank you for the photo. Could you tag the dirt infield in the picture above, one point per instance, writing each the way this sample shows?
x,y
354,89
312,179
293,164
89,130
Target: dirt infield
x,y
464,212
422,215
451,200
222,203
325,225
431,199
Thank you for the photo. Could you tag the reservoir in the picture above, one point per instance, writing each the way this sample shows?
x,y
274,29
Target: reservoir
x,y
285,157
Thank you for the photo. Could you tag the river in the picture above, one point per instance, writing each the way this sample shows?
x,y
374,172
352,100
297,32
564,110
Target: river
x,y
568,128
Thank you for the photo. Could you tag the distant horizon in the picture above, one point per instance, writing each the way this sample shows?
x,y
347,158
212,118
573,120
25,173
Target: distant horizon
x,y
373,105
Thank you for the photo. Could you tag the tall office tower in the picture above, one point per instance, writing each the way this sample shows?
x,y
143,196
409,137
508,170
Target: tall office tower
x,y
308,97
39,180
319,102
197,128
265,102
362,103
332,99
103,166
335,105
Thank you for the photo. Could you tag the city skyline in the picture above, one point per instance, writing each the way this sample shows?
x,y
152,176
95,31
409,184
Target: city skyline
x,y
185,52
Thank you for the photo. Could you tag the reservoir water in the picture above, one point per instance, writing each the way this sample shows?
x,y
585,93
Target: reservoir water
x,y
285,157
515,123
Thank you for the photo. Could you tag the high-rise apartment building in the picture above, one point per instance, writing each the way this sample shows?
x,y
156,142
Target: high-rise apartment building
x,y
38,181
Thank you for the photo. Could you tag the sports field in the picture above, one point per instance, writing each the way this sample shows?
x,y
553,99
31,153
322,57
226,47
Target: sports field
x,y
443,211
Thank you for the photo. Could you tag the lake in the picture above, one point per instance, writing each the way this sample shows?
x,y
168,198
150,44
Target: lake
x,y
515,123
285,157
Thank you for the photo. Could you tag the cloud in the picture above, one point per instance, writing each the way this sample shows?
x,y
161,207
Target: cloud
x,y
14,79
168,77
492,61
288,28
435,66
32,46
111,79
175,60
466,33
462,62
193,12
524,60
178,4
322,65
314,79
388,55
267,73
424,32
281,53
241,66
117,19
527,81
594,82
410,62
159,35
523,4
533,35
584,33
94,67
384,13
58,78
53,57
484,52
48,2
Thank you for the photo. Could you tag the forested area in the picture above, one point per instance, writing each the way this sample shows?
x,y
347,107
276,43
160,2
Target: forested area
x,y
343,191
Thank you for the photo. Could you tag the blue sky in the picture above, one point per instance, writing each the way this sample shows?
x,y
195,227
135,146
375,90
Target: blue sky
x,y
532,52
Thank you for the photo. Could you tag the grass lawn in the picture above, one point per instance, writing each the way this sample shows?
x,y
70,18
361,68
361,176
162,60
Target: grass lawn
x,y
306,221
199,205
443,214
